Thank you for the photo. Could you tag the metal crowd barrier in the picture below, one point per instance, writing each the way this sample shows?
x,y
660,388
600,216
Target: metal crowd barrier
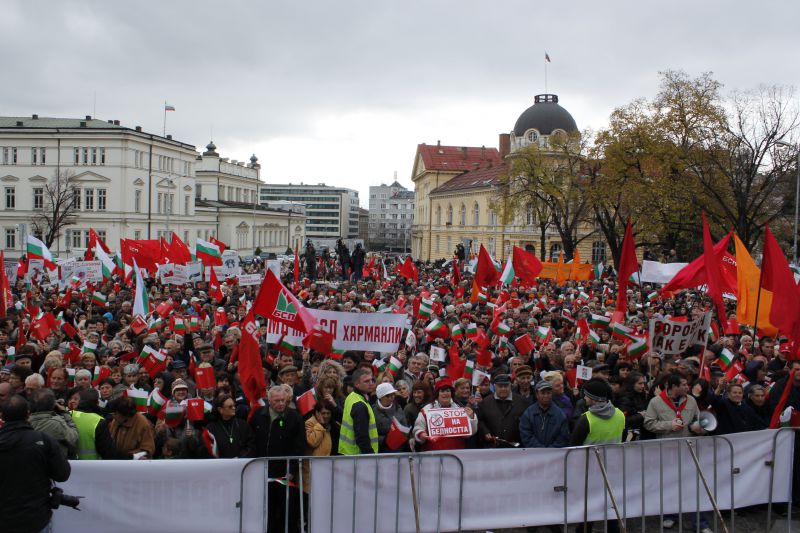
x,y
635,453
772,464
406,465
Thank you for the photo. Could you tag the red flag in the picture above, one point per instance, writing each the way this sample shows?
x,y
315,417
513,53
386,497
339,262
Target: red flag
x,y
214,289
95,240
735,369
296,267
776,415
456,280
306,402
164,308
195,409
69,330
178,251
220,317
777,277
319,340
41,327
455,365
486,275
712,267
74,353
5,289
408,269
483,357
524,344
526,265
275,302
481,339
22,267
694,274
204,377
251,372
397,436
627,266
146,251
222,245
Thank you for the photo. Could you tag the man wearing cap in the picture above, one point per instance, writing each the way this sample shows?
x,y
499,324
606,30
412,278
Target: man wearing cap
x,y
602,423
541,425
522,382
359,433
207,355
498,418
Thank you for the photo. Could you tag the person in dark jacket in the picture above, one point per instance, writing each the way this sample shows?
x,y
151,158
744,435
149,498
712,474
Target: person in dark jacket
x,y
632,401
30,461
757,400
733,414
280,432
499,415
233,437
385,409
544,425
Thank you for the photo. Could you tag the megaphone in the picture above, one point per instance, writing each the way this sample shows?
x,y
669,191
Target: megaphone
x,y
707,421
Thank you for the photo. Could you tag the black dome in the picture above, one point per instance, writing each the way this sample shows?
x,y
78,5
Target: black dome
x,y
545,116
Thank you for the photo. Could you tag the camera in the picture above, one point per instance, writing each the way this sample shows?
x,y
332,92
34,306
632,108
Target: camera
x,y
58,498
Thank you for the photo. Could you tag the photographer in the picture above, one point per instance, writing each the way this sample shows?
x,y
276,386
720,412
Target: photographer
x,y
54,419
30,460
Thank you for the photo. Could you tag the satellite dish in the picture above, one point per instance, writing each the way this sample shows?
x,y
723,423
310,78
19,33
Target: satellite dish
x,y
707,421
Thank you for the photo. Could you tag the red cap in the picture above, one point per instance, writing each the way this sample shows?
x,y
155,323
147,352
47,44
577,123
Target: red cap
x,y
442,383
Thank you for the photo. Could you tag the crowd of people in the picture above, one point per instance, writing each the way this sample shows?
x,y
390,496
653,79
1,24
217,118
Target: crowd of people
x,y
87,385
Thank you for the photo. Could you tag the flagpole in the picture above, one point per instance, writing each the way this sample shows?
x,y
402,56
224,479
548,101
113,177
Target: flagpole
x,y
545,72
165,119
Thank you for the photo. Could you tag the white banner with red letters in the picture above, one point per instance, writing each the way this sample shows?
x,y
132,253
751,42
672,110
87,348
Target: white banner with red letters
x,y
672,337
375,332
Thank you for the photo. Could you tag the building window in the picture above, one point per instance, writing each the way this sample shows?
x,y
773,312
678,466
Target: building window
x,y
77,241
85,155
198,191
186,200
101,233
450,214
555,250
42,156
76,198
94,156
171,204
38,198
34,156
529,218
11,238
89,196
159,203
102,156
476,215
137,234
186,236
533,136
137,201
598,252
11,198
101,199
76,156
9,155
463,215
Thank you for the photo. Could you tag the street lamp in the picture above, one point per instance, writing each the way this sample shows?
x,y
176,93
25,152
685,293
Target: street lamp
x,y
796,199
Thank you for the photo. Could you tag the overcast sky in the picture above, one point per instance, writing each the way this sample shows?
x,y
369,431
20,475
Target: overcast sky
x,y
342,92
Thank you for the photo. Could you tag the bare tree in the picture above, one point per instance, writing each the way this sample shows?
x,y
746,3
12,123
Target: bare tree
x,y
58,207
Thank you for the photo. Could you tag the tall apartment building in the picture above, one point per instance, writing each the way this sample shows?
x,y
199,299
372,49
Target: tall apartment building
x,y
391,214
331,212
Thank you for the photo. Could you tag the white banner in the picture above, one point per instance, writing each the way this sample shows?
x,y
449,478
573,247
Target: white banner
x,y
10,267
499,485
173,274
87,271
377,332
250,279
275,266
194,271
672,337
654,272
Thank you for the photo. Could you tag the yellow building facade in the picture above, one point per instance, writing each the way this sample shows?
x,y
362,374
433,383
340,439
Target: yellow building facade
x,y
456,189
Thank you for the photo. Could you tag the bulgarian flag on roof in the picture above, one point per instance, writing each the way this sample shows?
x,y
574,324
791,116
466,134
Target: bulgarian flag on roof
x,y
209,253
543,334
37,250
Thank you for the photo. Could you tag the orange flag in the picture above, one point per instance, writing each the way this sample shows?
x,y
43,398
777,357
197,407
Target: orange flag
x,y
749,277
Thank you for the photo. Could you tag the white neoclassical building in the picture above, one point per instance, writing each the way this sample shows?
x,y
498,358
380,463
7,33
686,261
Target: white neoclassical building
x,y
132,184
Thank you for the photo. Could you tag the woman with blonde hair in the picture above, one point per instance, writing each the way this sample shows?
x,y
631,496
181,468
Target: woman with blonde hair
x,y
561,398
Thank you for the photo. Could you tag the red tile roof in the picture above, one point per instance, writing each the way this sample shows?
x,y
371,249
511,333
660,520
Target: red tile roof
x,y
474,179
452,158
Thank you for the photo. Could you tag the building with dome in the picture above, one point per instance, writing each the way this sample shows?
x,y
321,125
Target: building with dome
x,y
131,184
456,187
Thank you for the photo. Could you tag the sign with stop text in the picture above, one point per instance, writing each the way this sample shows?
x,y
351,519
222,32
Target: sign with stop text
x,y
672,337
448,423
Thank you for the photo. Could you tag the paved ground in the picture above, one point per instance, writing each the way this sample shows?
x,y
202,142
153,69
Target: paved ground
x,y
752,520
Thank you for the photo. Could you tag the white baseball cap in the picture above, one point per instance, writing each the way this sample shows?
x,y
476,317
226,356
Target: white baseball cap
x,y
384,389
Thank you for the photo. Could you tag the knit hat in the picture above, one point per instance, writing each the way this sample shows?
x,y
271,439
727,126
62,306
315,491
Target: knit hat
x,y
442,383
179,384
597,389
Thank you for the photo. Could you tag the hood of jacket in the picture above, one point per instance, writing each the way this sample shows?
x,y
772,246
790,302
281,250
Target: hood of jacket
x,y
605,410
12,433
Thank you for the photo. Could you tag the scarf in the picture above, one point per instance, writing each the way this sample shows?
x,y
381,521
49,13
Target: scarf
x,y
677,408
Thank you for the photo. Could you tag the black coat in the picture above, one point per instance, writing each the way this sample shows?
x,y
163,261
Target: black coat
x,y
734,418
29,460
500,418
284,436
234,438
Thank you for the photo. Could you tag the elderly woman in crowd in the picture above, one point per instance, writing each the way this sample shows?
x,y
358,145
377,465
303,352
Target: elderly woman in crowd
x,y
443,400
131,431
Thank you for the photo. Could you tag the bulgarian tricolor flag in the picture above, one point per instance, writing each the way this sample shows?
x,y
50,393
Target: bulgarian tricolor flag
x,y
156,402
99,299
652,297
89,347
621,331
380,365
503,328
394,365
425,308
478,376
726,358
482,296
598,270
472,330
543,334
637,347
286,347
397,436
173,414
457,333
469,369
106,263
209,253
140,398
599,321
155,325
437,328
141,301
507,275
36,249
594,338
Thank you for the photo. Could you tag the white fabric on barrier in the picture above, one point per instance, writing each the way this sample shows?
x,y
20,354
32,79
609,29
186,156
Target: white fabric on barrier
x,y
655,272
502,488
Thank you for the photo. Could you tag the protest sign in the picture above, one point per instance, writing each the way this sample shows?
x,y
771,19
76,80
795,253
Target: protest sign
x,y
438,354
672,337
194,272
86,271
448,423
378,332
173,274
655,272
230,264
250,279
583,372
10,267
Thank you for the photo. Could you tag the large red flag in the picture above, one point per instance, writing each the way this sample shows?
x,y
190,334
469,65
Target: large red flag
x,y
222,245
276,302
456,279
5,288
146,251
712,267
214,289
694,274
627,266
408,269
251,372
94,240
777,277
179,252
486,275
526,265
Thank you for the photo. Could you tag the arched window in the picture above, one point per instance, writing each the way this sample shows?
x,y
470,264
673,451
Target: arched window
x,y
450,214
555,249
529,215
490,246
598,252
463,215
438,216
476,215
